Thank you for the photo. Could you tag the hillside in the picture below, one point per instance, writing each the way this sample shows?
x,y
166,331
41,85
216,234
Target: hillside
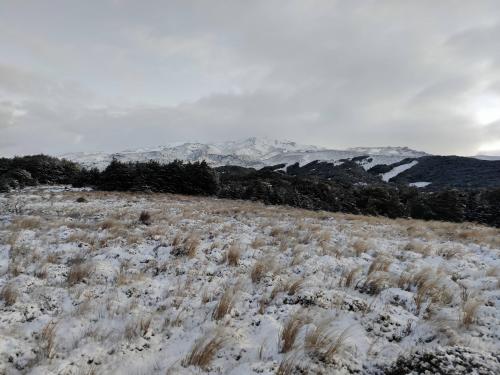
x,y
344,187
451,172
131,283
400,165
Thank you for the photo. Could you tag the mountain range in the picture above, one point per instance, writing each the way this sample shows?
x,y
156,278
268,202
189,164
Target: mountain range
x,y
250,152
365,165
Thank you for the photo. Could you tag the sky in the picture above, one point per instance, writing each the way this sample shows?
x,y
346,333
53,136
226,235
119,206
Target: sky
x,y
109,75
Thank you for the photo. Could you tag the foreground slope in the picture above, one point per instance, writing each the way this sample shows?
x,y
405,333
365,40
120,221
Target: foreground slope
x,y
229,287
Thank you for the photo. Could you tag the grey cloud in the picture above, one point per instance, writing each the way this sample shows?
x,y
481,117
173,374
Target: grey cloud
x,y
337,73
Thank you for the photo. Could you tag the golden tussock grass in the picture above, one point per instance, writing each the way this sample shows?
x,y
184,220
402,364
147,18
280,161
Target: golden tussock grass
x,y
26,222
225,304
233,254
204,349
78,273
258,243
8,295
292,287
276,232
378,281
431,288
418,247
348,277
288,364
108,224
260,268
186,245
289,331
360,247
469,310
449,252
138,327
324,343
380,263
405,280
48,339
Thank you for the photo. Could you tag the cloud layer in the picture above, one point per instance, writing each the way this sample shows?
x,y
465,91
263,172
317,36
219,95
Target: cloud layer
x,y
109,75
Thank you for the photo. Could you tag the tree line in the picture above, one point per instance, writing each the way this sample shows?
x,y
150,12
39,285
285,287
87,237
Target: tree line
x,y
266,185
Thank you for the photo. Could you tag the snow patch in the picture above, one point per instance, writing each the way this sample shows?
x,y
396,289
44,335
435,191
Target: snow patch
x,y
420,184
397,170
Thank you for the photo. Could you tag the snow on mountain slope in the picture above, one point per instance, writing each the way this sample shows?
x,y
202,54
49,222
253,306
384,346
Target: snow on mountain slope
x,y
250,152
397,170
487,157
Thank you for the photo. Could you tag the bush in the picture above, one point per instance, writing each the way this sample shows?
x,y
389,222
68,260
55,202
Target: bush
x,y
145,218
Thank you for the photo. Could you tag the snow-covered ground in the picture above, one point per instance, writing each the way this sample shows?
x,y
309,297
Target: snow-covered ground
x,y
229,287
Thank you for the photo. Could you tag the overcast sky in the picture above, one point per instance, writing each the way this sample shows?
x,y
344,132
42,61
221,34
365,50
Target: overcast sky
x,y
115,74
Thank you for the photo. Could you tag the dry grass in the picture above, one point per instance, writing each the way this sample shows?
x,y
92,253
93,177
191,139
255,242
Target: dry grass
x,y
258,243
289,332
418,247
25,222
405,280
78,273
139,327
47,340
305,238
430,288
360,247
53,258
108,224
204,350
380,263
469,311
294,286
378,281
288,365
233,254
191,245
449,252
324,343
348,277
284,244
324,236
225,304
188,246
276,232
9,295
259,269
176,241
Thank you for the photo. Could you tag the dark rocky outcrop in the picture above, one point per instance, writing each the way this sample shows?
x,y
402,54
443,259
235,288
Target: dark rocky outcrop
x,y
445,361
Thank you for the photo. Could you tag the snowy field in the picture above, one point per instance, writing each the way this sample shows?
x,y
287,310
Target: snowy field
x,y
88,285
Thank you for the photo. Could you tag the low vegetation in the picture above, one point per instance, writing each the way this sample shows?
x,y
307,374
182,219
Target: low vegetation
x,y
339,191
154,283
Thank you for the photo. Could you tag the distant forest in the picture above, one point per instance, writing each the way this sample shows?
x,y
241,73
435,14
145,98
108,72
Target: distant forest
x,y
266,185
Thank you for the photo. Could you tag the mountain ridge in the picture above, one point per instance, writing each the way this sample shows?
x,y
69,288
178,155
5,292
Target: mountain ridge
x,y
249,152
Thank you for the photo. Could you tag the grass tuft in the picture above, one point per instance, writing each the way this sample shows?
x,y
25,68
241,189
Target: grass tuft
x,y
204,350
9,295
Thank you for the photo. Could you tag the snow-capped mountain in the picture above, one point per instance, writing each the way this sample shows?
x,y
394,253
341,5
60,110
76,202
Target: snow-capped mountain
x,y
250,152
